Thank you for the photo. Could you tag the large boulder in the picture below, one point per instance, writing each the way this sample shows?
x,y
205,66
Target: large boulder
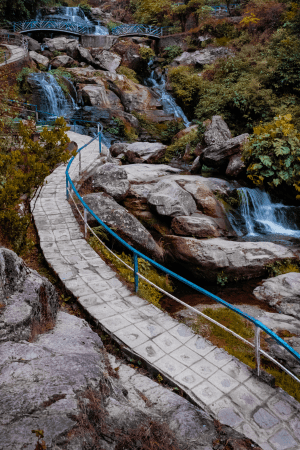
x,y
112,179
62,61
201,57
124,223
60,44
95,95
107,60
85,55
234,260
167,198
25,296
197,225
144,150
217,131
282,292
146,173
218,155
39,59
236,167
33,45
129,52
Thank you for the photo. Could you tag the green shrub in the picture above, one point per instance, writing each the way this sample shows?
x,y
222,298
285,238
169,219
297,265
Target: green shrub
x,y
179,146
282,267
129,73
172,52
21,78
272,154
111,25
146,53
186,85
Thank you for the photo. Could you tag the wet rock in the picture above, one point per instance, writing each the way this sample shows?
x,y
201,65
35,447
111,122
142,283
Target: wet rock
x,y
218,155
143,150
145,173
95,95
62,61
27,297
124,224
197,225
107,60
208,258
217,131
39,59
112,179
236,167
282,292
167,198
33,45
201,57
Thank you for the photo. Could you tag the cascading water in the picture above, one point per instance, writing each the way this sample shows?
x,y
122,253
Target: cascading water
x,y
158,83
260,216
76,14
50,95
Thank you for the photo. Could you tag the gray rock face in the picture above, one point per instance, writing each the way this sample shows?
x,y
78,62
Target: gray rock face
x,y
197,225
33,45
85,55
107,61
235,166
283,292
125,224
112,179
146,173
26,296
207,258
217,132
169,199
144,150
218,155
40,59
62,61
95,95
201,57
59,44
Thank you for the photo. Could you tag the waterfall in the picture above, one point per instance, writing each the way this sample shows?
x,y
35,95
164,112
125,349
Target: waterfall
x,y
50,95
261,216
158,83
76,14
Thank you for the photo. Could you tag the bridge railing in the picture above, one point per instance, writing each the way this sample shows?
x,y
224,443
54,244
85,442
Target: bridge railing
x,y
60,25
11,38
132,29
259,326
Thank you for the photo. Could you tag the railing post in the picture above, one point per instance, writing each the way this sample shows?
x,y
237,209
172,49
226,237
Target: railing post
x,y
257,350
100,138
136,269
79,163
67,186
85,222
5,58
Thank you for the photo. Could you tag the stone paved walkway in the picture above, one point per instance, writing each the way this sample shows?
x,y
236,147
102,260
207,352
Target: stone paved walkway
x,y
210,376
16,53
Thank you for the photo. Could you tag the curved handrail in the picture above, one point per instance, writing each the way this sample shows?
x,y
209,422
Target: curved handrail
x,y
53,24
135,29
259,325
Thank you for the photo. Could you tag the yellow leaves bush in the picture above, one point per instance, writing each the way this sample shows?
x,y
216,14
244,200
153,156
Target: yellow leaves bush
x,y
249,19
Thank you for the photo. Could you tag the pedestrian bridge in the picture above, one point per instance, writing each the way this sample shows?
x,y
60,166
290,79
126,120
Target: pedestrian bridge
x,y
77,28
138,30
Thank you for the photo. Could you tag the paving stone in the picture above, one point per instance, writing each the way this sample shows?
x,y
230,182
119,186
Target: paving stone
x,y
247,429
101,311
100,286
131,336
120,306
110,295
81,290
262,390
204,368
283,440
266,446
245,399
166,342
46,236
182,333
150,351
223,405
223,381
136,301
281,408
165,321
295,426
200,345
124,291
229,417
185,355
134,316
74,283
115,323
114,283
218,357
90,300
169,365
150,310
207,393
264,419
108,274
68,273
150,328
189,378
237,370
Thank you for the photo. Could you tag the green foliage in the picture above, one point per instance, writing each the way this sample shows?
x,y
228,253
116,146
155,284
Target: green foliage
x,y
129,73
222,279
22,173
186,85
179,146
123,128
272,154
145,268
172,52
281,267
146,53
22,79
163,132
111,25
86,8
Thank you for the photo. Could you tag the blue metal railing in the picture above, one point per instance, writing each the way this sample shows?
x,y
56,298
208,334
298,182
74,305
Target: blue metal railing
x,y
136,254
134,29
56,25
